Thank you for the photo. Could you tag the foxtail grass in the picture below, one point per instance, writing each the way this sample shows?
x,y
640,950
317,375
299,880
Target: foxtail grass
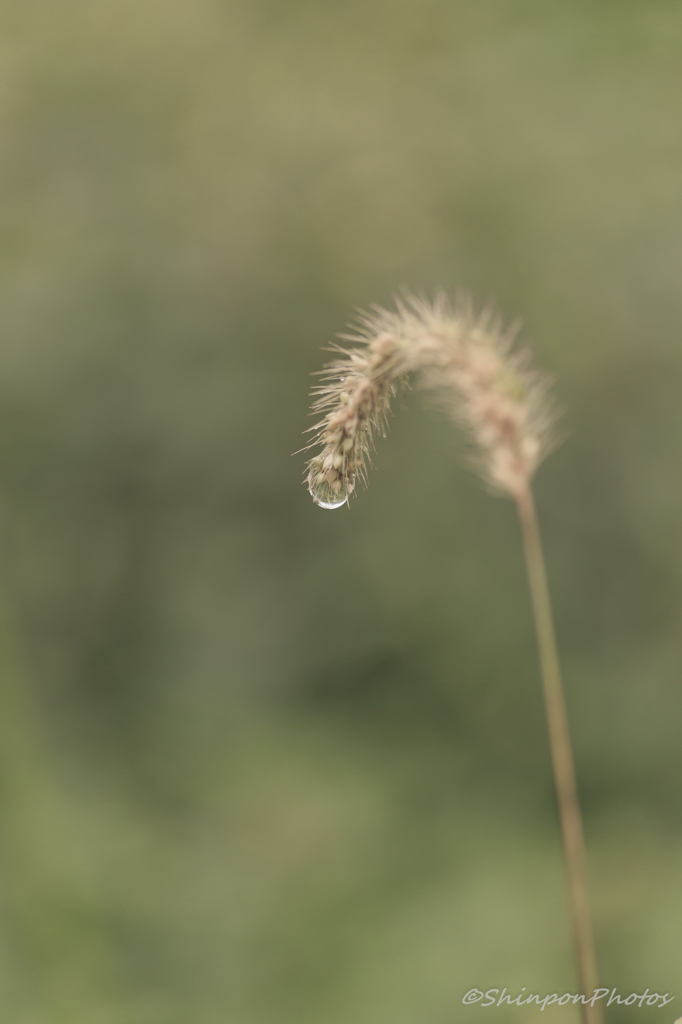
x,y
492,390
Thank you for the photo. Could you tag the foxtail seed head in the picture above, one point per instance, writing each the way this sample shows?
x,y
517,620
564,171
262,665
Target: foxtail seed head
x,y
489,388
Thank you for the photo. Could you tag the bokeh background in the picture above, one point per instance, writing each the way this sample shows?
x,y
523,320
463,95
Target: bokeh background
x,y
266,764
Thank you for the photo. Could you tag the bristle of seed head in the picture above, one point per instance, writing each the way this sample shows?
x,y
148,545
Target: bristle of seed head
x,y
490,388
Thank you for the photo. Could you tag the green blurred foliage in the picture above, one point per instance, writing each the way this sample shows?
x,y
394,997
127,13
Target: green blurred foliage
x,y
263,763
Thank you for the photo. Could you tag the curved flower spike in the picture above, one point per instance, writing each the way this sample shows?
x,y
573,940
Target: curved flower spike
x,y
489,388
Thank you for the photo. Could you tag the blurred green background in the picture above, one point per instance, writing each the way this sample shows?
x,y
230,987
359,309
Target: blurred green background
x,y
266,764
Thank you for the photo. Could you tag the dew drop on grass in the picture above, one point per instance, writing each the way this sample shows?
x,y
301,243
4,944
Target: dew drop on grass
x,y
328,504
326,496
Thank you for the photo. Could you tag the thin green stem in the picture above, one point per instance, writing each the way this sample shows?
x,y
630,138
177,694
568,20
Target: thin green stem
x,y
562,758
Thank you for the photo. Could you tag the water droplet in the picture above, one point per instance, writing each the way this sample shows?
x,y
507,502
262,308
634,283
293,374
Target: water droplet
x,y
328,504
327,495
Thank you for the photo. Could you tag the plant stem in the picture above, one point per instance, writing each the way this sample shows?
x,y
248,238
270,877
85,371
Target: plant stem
x,y
562,757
